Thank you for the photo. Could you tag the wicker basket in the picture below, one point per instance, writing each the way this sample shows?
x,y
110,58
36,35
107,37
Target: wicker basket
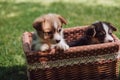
x,y
90,62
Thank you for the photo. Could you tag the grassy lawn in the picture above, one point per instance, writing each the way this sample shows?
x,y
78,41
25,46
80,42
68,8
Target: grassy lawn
x,y
16,17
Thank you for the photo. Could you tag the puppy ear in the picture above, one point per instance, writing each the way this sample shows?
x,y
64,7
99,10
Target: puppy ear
x,y
91,31
62,19
37,24
111,26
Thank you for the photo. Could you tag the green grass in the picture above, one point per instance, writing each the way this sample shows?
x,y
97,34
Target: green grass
x,y
16,17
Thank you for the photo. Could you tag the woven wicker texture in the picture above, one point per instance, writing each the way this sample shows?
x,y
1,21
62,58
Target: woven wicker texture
x,y
91,62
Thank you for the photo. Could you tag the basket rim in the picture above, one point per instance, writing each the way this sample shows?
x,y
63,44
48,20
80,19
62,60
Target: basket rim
x,y
26,39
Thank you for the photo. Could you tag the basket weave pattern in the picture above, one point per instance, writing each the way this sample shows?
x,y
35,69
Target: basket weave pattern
x,y
91,62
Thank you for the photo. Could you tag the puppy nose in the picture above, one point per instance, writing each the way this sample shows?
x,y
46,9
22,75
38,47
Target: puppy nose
x,y
57,41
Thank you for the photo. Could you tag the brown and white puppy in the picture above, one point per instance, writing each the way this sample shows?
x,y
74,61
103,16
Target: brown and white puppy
x,y
98,32
49,33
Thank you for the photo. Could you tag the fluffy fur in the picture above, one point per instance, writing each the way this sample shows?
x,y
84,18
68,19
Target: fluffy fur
x,y
98,32
49,33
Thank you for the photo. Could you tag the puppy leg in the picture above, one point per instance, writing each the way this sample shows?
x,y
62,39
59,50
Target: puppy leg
x,y
44,47
52,49
63,45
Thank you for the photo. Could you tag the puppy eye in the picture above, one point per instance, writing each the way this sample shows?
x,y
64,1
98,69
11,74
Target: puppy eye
x,y
59,30
49,33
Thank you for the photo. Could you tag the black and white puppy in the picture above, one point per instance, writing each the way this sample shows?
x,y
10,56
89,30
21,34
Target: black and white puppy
x,y
98,32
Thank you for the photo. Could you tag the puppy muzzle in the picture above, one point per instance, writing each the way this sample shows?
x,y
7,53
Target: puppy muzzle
x,y
57,41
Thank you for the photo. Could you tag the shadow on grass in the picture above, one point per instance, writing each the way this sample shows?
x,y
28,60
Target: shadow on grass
x,y
13,73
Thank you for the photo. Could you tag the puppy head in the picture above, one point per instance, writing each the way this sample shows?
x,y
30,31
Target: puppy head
x,y
109,28
101,32
49,27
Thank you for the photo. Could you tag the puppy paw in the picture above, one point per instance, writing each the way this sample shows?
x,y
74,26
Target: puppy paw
x,y
52,51
44,47
63,46
118,56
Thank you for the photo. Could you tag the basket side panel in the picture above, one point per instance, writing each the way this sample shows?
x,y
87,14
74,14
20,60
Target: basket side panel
x,y
74,33
105,71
